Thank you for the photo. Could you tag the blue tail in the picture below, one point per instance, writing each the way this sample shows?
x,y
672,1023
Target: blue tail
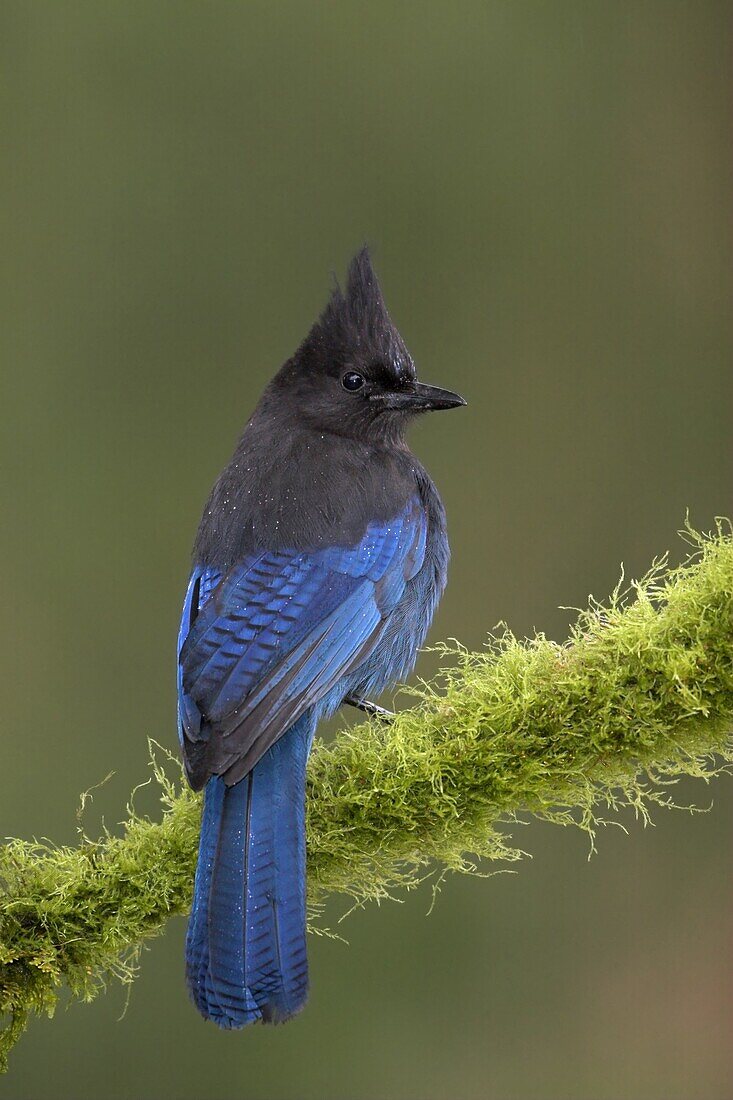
x,y
245,947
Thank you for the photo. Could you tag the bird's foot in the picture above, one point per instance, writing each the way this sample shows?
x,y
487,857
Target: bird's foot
x,y
370,708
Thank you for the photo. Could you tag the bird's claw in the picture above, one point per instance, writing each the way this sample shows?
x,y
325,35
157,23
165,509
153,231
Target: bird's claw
x,y
370,708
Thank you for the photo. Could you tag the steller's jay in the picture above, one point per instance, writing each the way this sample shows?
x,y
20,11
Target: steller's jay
x,y
320,559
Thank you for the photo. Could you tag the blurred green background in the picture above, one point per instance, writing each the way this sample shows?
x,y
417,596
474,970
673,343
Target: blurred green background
x,y
546,189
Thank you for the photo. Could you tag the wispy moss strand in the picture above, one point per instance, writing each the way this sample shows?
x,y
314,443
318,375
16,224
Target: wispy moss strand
x,y
641,692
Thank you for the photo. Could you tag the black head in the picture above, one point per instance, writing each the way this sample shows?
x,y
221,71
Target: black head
x,y
353,374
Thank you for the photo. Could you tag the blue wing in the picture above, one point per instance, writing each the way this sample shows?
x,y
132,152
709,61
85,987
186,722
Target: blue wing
x,y
269,639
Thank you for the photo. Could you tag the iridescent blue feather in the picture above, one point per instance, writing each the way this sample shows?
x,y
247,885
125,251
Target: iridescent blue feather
x,y
265,650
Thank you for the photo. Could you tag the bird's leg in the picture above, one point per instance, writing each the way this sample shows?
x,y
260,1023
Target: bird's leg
x,y
370,708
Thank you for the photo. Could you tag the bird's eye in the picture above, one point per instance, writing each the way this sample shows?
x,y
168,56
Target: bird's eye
x,y
352,381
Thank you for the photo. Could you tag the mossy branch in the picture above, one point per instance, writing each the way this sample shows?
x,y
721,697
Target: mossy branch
x,y
642,693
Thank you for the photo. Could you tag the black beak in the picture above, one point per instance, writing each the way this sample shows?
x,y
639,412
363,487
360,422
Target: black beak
x,y
420,397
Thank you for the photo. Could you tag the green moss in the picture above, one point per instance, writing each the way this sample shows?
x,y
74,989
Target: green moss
x,y
642,693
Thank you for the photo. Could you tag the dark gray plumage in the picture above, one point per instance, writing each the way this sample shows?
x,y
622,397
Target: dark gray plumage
x,y
316,462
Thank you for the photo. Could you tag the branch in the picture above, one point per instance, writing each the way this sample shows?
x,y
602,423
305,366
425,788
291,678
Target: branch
x,y
640,695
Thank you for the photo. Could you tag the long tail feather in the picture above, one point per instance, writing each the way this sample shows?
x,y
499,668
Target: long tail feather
x,y
245,948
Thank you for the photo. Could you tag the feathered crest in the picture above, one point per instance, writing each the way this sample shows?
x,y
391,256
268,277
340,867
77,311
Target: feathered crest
x,y
356,321
363,298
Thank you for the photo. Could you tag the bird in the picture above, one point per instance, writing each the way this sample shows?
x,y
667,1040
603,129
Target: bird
x,y
316,570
